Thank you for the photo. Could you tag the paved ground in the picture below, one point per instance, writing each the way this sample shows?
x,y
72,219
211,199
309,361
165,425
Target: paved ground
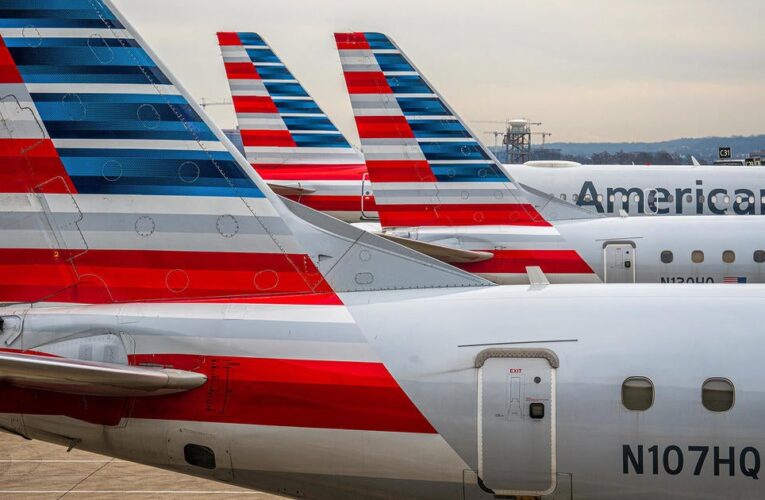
x,y
33,469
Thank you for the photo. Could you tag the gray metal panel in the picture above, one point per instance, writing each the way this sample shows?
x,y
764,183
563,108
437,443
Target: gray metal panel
x,y
355,260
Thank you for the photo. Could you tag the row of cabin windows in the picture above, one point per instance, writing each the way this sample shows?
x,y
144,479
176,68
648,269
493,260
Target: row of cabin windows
x,y
669,199
717,394
697,256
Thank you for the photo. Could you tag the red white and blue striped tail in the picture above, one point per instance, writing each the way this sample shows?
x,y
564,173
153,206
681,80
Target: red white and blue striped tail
x,y
286,136
426,167
114,186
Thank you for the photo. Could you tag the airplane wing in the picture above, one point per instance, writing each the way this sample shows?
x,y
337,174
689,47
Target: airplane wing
x,y
293,189
72,376
443,253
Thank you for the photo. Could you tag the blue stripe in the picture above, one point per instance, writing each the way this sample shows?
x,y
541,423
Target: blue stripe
x,y
453,151
393,62
286,89
408,84
274,73
378,41
422,106
438,128
251,39
262,55
309,123
320,141
290,106
468,173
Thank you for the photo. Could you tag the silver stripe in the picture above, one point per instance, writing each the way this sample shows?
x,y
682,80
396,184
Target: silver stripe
x,y
138,144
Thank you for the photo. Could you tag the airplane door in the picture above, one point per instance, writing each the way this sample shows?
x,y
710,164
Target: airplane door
x,y
619,263
516,421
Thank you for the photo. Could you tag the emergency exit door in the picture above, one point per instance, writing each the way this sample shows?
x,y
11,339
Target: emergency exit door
x,y
516,421
619,262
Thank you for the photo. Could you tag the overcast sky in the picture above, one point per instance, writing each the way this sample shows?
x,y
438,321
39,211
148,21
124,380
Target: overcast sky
x,y
591,70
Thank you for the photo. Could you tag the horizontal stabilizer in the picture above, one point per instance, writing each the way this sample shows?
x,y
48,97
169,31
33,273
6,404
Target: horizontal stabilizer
x,y
292,189
446,254
72,376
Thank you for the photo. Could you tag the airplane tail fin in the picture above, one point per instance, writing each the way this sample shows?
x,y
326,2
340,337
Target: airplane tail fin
x,y
286,136
426,167
115,186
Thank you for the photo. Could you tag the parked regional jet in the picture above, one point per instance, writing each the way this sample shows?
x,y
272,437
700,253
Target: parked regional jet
x,y
438,188
286,136
162,305
650,190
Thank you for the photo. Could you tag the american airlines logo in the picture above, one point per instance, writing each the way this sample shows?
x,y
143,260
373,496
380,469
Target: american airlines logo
x,y
659,200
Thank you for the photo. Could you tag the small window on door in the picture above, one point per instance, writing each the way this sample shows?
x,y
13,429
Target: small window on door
x,y
697,256
667,257
729,256
637,393
718,394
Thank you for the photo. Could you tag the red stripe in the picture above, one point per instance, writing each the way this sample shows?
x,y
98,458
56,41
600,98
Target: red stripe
x,y
241,71
228,38
400,171
104,276
347,41
330,203
367,82
519,214
383,127
254,391
297,172
516,261
9,73
28,165
254,104
268,138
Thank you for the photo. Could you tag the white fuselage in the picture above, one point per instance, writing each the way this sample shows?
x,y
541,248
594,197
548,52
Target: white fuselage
x,y
651,190
447,349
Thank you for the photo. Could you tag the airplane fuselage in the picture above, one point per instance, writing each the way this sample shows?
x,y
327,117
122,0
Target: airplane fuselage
x,y
331,402
651,190
617,250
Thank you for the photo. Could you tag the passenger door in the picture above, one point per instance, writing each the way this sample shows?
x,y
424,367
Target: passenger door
x,y
516,421
619,263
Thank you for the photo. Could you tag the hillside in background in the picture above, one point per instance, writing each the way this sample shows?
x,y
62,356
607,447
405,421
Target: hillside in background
x,y
675,151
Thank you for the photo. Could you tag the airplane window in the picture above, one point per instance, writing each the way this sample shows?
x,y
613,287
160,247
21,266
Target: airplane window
x,y
636,198
600,197
637,393
759,256
701,198
575,197
670,198
625,198
739,199
762,200
611,198
563,197
751,200
726,199
689,199
697,256
588,197
729,256
717,394
667,257
714,199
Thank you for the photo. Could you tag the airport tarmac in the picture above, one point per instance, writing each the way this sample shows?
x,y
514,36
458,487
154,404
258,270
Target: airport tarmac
x,y
38,470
